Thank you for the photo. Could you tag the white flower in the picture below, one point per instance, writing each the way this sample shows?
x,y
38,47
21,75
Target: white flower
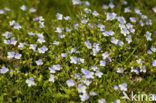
x,y
81,88
4,70
51,79
123,87
76,2
70,82
23,7
84,97
154,9
30,81
154,63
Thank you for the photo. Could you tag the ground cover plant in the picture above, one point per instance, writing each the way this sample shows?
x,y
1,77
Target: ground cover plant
x,y
73,51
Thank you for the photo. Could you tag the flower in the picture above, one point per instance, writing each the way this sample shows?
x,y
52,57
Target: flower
x,y
104,7
51,79
4,70
59,16
148,36
52,70
111,16
120,70
33,47
124,31
32,10
11,54
123,87
1,11
133,19
154,63
76,2
63,54
111,5
7,34
70,82
56,42
93,93
84,97
67,18
98,74
94,68
74,60
127,10
30,81
116,87
39,62
105,55
88,44
17,56
81,88
11,41
102,63
23,7
117,101
57,67
87,73
43,49
95,13
129,39
154,9
101,101
135,70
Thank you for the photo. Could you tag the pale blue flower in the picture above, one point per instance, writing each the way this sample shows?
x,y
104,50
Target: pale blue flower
x,y
87,74
51,79
111,16
98,74
88,44
11,54
154,63
23,7
132,19
129,39
7,34
59,16
63,54
95,13
104,7
111,5
93,93
123,87
103,63
84,97
3,70
94,68
39,62
116,87
154,9
76,2
70,82
81,88
17,56
30,81
119,70
101,101
33,47
43,49
56,42
127,10
148,36
117,101
32,10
